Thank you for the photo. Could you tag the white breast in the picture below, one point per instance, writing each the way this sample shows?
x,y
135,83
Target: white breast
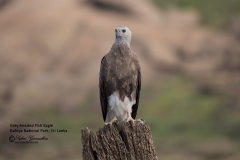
x,y
118,107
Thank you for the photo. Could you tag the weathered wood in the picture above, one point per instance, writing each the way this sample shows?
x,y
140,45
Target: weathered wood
x,y
129,140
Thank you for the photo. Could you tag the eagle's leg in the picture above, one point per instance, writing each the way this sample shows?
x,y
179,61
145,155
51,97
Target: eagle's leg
x,y
129,117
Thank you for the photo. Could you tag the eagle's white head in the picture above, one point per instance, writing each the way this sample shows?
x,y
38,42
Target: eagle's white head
x,y
122,35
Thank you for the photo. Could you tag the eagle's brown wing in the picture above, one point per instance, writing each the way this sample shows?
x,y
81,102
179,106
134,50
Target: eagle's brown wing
x,y
102,87
135,106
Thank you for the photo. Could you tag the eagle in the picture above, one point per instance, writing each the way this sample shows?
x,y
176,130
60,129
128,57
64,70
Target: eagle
x,y
120,80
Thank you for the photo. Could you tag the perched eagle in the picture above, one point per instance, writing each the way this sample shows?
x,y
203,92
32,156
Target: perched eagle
x,y
120,80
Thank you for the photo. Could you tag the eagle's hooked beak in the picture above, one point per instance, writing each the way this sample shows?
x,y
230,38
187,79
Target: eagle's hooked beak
x,y
117,33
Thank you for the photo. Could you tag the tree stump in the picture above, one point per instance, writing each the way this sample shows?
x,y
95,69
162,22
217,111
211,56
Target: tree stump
x,y
129,140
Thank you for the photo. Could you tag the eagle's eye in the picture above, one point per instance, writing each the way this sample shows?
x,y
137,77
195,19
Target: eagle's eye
x,y
124,30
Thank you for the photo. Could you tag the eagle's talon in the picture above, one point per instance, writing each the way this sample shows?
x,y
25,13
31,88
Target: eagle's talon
x,y
142,121
105,124
111,122
108,124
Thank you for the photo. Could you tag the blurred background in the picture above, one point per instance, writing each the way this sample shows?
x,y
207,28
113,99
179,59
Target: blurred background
x,y
50,53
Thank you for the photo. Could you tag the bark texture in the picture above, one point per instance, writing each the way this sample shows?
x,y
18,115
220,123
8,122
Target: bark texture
x,y
129,141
